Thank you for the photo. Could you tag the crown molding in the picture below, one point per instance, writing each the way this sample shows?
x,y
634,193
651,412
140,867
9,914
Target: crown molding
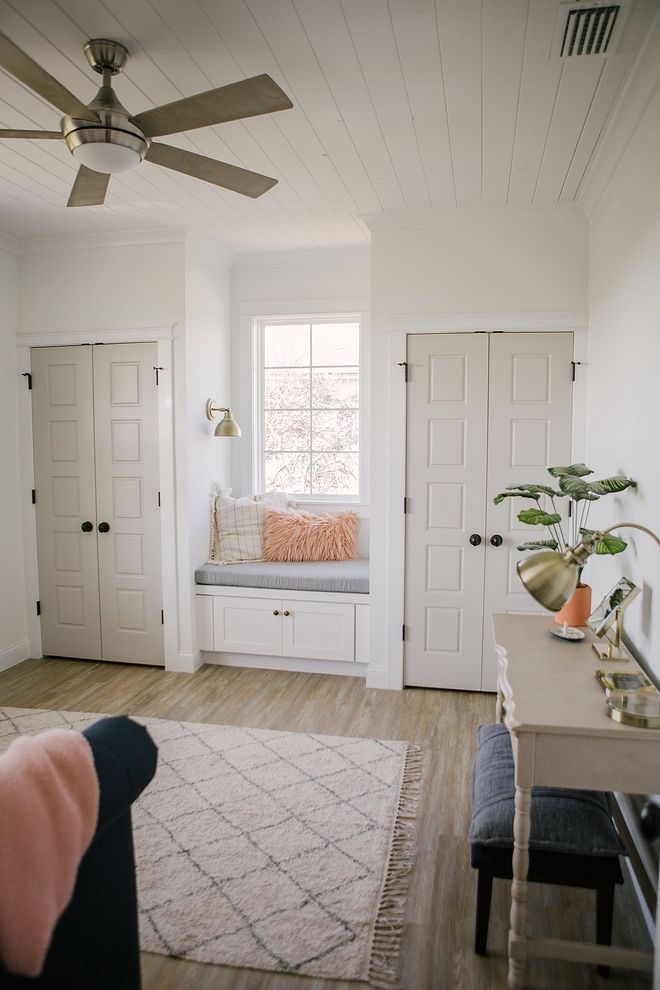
x,y
444,218
85,242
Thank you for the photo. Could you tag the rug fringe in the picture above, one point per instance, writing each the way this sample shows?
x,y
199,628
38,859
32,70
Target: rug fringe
x,y
386,940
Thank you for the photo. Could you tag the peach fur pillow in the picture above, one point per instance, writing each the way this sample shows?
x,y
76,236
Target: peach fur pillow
x,y
290,536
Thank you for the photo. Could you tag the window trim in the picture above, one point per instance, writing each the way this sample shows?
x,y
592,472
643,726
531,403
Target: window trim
x,y
258,391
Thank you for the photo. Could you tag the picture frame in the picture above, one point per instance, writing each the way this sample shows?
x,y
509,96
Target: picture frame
x,y
617,599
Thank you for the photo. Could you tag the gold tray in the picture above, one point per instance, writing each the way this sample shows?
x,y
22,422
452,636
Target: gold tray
x,y
640,710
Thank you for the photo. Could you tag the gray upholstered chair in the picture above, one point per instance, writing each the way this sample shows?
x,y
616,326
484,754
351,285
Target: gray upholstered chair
x,y
573,840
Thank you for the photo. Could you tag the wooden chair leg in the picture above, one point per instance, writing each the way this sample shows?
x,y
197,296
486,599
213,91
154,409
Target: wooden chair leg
x,y
604,915
484,894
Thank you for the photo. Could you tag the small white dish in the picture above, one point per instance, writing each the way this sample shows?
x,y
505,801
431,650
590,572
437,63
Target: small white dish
x,y
568,632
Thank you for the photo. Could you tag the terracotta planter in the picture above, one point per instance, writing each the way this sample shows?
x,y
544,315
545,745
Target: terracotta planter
x,y
577,609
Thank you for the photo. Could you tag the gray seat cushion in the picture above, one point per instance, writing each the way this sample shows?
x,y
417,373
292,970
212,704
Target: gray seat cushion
x,y
345,576
563,821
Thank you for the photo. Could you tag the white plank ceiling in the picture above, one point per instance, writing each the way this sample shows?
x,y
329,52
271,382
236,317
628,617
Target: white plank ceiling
x,y
398,105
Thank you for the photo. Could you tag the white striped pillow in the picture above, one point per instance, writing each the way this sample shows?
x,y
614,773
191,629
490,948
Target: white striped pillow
x,y
237,525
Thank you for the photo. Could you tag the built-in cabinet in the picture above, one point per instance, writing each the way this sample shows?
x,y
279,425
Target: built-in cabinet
x,y
96,466
484,411
311,625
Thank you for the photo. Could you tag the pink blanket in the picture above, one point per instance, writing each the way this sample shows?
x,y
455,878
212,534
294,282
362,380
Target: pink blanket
x,y
49,797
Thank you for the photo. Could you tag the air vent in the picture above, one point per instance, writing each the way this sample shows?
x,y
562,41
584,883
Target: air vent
x,y
585,29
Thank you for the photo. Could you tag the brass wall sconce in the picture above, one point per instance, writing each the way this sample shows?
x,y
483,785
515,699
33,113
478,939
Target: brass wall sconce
x,y
227,427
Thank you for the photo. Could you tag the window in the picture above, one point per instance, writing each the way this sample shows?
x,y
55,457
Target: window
x,y
309,407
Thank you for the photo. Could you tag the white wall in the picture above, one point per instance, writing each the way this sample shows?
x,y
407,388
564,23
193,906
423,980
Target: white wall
x,y
99,283
509,268
208,375
14,645
624,372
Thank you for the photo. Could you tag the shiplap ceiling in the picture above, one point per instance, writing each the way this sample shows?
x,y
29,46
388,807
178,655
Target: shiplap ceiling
x,y
398,105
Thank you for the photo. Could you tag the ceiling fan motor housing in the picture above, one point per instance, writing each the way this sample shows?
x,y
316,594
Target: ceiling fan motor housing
x,y
113,143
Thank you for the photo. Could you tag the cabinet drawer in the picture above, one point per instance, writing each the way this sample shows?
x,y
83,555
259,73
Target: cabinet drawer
x,y
247,625
318,630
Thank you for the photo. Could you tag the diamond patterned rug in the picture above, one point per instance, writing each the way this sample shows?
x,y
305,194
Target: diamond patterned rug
x,y
271,850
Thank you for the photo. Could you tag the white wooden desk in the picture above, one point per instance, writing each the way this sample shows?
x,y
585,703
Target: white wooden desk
x,y
562,737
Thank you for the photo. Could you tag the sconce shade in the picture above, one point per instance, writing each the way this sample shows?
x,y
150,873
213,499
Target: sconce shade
x,y
549,577
227,427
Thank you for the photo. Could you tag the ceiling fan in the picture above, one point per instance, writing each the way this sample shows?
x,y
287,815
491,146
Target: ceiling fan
x,y
104,138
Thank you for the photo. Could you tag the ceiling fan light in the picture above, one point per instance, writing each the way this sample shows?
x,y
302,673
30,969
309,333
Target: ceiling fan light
x,y
104,157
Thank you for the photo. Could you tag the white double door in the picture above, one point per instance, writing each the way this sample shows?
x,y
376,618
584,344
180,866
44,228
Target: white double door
x,y
95,428
484,410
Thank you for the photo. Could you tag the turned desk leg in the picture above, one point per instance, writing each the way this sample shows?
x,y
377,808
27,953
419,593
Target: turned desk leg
x,y
518,921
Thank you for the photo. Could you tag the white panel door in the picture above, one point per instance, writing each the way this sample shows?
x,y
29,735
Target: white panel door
x,y
127,497
319,630
484,411
247,625
446,479
63,422
529,429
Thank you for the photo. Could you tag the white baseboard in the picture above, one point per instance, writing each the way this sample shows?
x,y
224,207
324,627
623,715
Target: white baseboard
x,y
377,676
296,664
13,655
184,663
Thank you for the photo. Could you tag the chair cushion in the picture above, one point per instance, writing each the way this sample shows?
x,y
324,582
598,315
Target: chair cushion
x,y
563,821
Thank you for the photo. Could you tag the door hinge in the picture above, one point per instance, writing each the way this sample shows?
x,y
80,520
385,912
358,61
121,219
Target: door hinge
x,y
34,497
570,508
403,631
38,608
404,365
162,617
573,366
159,500
158,370
405,503
26,374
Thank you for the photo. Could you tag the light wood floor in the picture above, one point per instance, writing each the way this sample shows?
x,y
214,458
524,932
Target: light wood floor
x,y
437,942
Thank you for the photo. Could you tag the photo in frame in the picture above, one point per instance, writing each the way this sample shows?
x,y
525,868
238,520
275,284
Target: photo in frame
x,y
617,599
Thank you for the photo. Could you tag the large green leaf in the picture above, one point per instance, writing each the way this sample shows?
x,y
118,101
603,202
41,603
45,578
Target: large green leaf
x,y
517,494
539,545
537,517
542,489
608,486
577,489
607,544
573,470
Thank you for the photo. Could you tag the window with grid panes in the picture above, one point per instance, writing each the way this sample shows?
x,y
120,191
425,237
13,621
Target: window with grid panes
x,y
310,407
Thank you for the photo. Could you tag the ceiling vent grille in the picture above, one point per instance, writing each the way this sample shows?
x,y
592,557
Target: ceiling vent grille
x,y
587,29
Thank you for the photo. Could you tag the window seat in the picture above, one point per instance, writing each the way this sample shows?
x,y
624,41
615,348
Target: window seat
x,y
335,576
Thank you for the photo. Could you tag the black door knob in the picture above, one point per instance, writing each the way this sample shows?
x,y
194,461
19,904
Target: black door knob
x,y
496,540
104,527
475,539
649,820
87,527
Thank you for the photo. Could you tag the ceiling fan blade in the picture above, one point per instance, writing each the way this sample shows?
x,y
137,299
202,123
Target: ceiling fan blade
x,y
14,60
239,180
33,135
89,189
247,98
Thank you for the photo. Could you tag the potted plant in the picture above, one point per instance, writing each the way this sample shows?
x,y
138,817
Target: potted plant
x,y
581,494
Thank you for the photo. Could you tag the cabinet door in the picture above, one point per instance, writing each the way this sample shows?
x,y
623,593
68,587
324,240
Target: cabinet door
x,y
529,429
247,625
127,482
445,484
318,630
63,427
